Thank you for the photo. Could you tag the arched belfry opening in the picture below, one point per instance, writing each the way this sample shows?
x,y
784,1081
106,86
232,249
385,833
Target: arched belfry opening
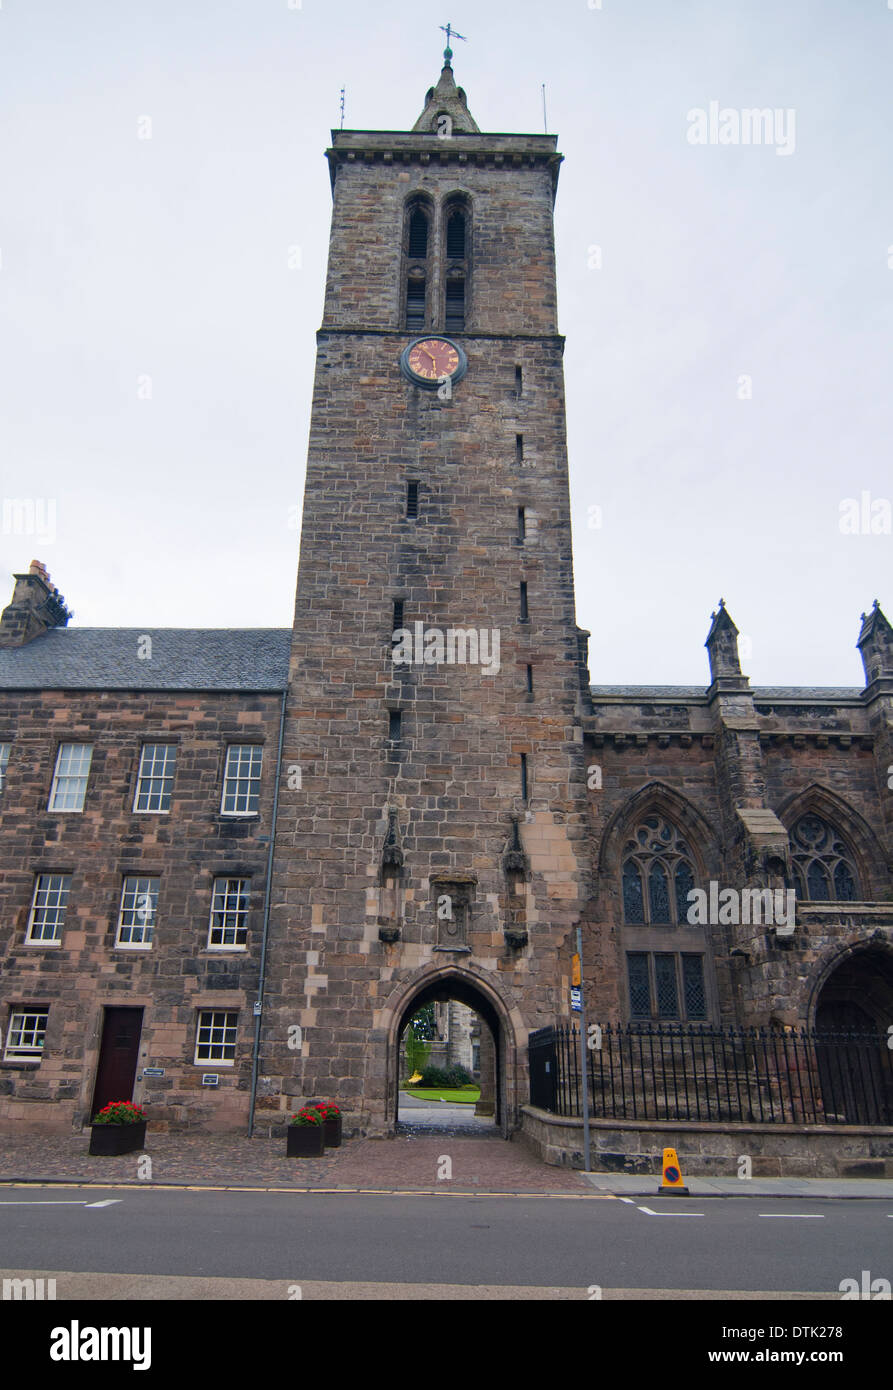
x,y
483,1044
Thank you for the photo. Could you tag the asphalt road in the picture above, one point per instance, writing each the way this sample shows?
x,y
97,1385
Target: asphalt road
x,y
723,1244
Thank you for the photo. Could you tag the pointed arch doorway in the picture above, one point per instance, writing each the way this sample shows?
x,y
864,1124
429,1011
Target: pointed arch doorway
x,y
452,984
852,1014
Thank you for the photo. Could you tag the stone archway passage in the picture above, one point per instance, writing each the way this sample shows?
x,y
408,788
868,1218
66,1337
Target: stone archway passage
x,y
853,1013
457,988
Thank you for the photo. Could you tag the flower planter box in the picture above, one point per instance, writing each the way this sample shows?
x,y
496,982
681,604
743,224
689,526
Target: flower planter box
x,y
332,1131
117,1139
305,1141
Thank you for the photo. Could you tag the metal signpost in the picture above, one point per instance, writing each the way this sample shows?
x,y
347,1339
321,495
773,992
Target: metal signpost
x,y
577,981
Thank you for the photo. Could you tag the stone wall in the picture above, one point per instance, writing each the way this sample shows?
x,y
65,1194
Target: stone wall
x,y
734,772
444,795
712,1150
98,846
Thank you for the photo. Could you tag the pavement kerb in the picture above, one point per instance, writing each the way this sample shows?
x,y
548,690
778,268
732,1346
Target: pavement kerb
x,y
444,1191
318,1191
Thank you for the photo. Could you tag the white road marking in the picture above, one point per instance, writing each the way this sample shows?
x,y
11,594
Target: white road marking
x,y
793,1215
43,1204
631,1200
110,1202
670,1213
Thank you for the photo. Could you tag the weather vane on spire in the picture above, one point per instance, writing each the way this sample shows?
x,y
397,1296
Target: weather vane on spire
x,y
450,32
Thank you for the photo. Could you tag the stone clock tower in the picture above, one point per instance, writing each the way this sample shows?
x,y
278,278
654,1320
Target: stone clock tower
x,y
431,838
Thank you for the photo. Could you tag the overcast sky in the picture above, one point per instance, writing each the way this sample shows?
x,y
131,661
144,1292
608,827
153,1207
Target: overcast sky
x,y
157,350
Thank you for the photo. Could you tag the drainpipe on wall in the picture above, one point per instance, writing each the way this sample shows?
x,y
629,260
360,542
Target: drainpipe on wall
x,y
258,1008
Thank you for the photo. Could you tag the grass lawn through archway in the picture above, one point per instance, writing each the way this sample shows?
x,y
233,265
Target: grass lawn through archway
x,y
465,1095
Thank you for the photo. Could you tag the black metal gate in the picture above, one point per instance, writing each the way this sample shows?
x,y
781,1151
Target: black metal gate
x,y
543,1056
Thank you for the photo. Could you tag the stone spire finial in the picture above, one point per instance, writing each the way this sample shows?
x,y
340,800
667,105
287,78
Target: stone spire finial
x,y
876,644
446,100
722,644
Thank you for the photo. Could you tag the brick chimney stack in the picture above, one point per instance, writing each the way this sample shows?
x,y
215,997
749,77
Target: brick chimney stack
x,y
36,606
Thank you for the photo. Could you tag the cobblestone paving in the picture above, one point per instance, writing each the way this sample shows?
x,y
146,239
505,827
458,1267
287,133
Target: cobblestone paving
x,y
408,1162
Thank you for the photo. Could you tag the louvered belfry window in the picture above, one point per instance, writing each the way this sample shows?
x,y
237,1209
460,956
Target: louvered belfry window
x,y
455,306
456,233
456,264
415,304
417,241
418,235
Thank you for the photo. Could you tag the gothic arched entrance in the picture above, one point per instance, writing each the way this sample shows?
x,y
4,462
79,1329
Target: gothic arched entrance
x,y
498,1029
853,1010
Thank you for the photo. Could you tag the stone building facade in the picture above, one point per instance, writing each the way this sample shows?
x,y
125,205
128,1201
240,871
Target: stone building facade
x,y
437,796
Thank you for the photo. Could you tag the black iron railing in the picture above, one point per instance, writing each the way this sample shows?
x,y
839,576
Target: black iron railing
x,y
744,1075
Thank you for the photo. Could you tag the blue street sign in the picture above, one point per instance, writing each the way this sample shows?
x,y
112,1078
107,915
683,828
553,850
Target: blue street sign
x,y
576,1000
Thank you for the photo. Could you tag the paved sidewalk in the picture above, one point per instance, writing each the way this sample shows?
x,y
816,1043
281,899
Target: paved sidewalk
x,y
634,1185
408,1163
426,1116
411,1162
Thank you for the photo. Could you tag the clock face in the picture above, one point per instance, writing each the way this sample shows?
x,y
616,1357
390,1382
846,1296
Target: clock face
x,y
427,361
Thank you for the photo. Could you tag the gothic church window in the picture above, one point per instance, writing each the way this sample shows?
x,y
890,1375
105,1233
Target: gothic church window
x,y
657,875
666,987
823,865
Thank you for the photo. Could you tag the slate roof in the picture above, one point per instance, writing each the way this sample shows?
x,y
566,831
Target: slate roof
x,y
802,693
106,658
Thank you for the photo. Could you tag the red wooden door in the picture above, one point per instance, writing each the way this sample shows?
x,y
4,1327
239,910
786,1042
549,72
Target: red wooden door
x,y
118,1056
